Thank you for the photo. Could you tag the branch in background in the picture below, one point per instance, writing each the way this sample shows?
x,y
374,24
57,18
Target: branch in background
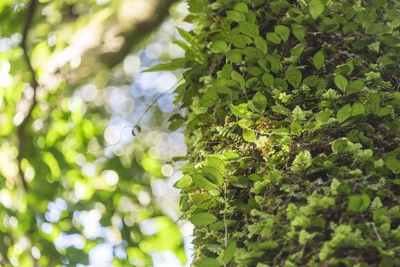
x,y
34,84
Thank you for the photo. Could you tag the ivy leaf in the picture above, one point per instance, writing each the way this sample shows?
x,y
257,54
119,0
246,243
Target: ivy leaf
x,y
235,16
241,7
234,57
184,182
359,203
203,218
249,135
240,111
229,252
261,44
393,164
220,46
341,82
299,31
344,113
239,78
175,64
318,60
357,109
273,38
316,8
217,163
201,182
212,174
293,75
339,146
282,31
268,80
355,86
259,102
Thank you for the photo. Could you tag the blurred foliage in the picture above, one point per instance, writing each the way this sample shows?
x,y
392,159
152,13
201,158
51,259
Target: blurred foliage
x,y
74,197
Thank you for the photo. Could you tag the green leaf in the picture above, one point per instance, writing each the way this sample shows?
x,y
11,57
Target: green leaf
x,y
203,218
259,102
282,31
316,8
201,182
357,109
236,76
393,164
212,174
341,82
273,38
299,31
355,86
261,44
268,80
229,252
219,46
359,203
293,76
217,163
281,110
234,57
235,16
175,64
249,135
241,7
322,117
340,146
184,182
318,59
344,113
241,110
207,262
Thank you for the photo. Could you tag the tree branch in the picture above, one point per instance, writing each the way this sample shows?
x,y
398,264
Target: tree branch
x,y
34,84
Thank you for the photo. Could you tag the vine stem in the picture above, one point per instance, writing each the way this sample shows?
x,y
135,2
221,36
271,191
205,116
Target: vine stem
x,y
225,224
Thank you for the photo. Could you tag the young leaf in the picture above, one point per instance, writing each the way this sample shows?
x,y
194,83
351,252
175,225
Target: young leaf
x,y
318,60
357,109
261,44
234,57
282,31
175,64
201,182
260,102
273,38
341,82
235,16
212,174
355,86
241,7
220,46
316,7
249,135
203,218
359,203
229,252
299,31
217,163
344,113
293,76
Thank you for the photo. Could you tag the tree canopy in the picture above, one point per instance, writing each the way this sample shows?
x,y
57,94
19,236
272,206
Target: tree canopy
x,y
72,181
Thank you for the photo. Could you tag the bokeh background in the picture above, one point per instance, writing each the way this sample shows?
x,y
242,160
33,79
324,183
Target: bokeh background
x,y
99,190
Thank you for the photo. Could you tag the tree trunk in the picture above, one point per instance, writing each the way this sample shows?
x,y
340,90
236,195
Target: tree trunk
x,y
293,132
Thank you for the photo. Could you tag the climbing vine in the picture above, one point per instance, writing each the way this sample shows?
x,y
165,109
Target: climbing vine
x,y
293,132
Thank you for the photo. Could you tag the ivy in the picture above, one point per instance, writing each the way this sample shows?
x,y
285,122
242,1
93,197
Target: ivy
x,y
293,130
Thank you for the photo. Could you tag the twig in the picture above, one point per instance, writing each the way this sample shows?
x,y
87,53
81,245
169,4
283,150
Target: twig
x,y
34,84
376,232
225,224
